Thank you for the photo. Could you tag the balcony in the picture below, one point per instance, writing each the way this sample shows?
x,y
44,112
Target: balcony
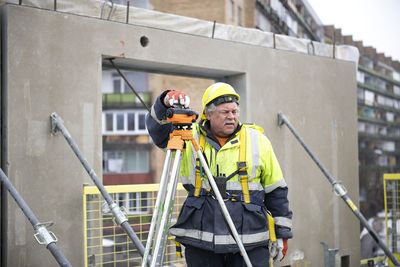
x,y
377,74
123,101
378,136
368,168
378,121
378,90
375,105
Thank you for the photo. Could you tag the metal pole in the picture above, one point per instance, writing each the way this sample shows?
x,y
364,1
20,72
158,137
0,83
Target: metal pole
x,y
339,189
157,207
42,235
120,218
167,206
224,210
129,84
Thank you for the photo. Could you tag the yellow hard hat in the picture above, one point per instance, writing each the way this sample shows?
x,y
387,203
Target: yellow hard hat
x,y
216,93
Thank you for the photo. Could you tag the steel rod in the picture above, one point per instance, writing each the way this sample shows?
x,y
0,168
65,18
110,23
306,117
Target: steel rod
x,y
120,218
224,210
51,246
129,84
339,189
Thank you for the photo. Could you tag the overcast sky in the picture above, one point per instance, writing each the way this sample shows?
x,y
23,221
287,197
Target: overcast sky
x,y
375,22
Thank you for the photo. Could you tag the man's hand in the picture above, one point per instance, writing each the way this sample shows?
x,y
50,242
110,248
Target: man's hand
x,y
176,98
279,249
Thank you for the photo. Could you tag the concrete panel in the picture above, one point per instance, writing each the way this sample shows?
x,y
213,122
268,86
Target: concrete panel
x,y
53,63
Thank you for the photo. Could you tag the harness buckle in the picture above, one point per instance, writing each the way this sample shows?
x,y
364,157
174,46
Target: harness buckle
x,y
242,165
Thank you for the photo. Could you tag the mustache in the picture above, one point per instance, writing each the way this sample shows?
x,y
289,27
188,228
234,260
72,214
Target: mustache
x,y
229,121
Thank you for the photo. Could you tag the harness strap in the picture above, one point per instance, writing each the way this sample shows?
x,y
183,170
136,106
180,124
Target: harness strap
x,y
242,166
178,249
271,227
253,199
198,182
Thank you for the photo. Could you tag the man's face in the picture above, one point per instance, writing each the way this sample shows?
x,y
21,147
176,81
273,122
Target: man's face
x,y
224,119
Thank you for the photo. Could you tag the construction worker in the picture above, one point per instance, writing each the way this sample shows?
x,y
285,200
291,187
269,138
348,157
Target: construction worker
x,y
249,179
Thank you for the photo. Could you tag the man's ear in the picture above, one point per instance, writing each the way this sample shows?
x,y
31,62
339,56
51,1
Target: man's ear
x,y
207,115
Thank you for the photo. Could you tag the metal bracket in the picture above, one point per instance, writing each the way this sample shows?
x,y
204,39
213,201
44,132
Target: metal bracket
x,y
329,255
55,119
281,119
43,236
110,4
339,189
311,44
119,214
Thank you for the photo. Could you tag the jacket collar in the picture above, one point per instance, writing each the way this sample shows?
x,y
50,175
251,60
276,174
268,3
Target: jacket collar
x,y
205,130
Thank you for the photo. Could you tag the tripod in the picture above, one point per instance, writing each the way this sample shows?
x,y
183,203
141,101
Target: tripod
x,y
181,120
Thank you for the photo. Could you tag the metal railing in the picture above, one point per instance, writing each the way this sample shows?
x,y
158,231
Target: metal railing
x,y
105,243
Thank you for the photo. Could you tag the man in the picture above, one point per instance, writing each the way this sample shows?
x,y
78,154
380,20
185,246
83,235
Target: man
x,y
250,180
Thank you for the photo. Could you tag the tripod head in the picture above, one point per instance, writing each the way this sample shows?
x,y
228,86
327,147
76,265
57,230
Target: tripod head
x,y
181,118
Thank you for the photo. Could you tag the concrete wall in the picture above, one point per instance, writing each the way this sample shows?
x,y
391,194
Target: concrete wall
x,y
52,63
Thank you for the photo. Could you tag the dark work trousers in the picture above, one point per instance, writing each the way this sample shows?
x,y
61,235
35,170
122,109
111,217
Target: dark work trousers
x,y
196,257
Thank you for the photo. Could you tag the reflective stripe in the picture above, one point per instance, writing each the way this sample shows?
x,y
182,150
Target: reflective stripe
x,y
196,234
237,186
246,239
211,93
192,173
185,180
283,221
255,152
154,116
280,183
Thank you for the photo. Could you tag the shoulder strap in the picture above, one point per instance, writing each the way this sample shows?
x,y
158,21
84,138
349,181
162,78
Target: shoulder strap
x,y
242,166
198,182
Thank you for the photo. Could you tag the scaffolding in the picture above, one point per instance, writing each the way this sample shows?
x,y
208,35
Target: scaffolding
x,y
105,243
391,183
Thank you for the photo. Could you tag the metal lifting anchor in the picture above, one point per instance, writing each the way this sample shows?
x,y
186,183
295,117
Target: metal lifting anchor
x,y
119,217
42,235
339,189
181,120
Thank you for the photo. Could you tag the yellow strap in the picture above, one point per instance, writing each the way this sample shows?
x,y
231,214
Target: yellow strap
x,y
178,249
271,228
198,183
244,179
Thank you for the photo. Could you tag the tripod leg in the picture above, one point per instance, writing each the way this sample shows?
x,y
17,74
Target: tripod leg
x,y
160,198
224,210
165,235
167,207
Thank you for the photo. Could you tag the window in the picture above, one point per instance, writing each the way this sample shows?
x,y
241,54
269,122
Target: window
x,y
124,122
126,161
240,16
133,202
231,8
117,83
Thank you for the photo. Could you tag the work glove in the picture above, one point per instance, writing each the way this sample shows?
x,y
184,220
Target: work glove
x,y
279,249
176,98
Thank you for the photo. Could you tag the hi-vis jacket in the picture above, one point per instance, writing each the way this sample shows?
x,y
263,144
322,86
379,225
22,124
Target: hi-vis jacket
x,y
201,223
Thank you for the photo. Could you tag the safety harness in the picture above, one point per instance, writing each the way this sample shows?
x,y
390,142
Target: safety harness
x,y
244,181
243,176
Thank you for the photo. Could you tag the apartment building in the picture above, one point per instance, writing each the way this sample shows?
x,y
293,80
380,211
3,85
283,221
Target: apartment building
x,y
378,88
